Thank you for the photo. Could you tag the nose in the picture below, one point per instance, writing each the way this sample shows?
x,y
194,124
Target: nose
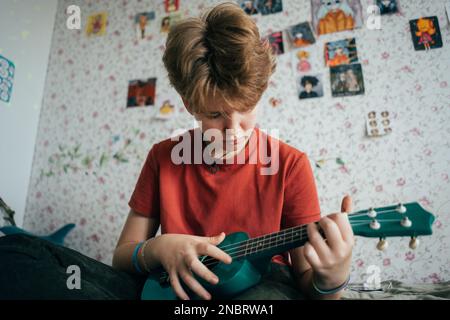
x,y
232,126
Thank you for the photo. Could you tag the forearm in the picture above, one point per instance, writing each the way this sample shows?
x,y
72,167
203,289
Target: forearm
x,y
304,283
123,257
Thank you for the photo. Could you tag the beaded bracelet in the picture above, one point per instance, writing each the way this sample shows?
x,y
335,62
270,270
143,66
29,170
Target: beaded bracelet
x,y
331,291
134,258
147,269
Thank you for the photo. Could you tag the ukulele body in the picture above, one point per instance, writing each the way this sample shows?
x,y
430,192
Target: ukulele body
x,y
234,278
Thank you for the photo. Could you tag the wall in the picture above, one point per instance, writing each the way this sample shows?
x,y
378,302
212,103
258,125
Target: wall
x,y
26,29
90,148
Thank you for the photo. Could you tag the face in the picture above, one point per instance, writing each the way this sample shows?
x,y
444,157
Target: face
x,y
308,87
235,128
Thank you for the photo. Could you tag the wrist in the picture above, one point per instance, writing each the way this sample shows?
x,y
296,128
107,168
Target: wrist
x,y
325,286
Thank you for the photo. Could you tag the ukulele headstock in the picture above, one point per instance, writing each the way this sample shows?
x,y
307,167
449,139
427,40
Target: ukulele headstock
x,y
401,220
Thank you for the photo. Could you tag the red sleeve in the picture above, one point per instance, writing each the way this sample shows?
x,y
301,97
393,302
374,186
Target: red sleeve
x,y
145,198
301,202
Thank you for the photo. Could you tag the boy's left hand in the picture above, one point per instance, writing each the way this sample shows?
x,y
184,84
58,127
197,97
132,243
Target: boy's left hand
x,y
330,259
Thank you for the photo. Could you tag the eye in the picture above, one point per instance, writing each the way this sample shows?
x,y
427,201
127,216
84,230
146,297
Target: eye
x,y
213,115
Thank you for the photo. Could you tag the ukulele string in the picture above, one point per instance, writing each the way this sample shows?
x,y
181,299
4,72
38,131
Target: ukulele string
x,y
238,245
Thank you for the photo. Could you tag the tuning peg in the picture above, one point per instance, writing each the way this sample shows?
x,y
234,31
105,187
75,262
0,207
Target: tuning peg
x,y
372,213
400,208
382,244
375,225
413,243
406,222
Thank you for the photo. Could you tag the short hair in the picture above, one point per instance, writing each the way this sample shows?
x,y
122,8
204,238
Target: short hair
x,y
309,79
220,54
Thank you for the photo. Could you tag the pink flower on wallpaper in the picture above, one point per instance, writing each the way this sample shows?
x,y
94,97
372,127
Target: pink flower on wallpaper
x,y
95,238
38,195
362,147
323,151
434,278
407,69
101,180
343,169
427,152
353,190
339,106
424,201
348,124
418,87
444,84
359,263
46,143
379,188
409,256
82,221
49,210
385,56
401,182
142,135
386,262
95,114
438,224
416,132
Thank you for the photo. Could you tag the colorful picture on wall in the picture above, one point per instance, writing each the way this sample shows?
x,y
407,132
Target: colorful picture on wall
x,y
169,21
171,5
378,123
7,71
329,16
310,86
96,24
249,6
347,80
340,52
266,7
142,23
301,35
426,33
387,6
303,63
166,111
141,93
276,42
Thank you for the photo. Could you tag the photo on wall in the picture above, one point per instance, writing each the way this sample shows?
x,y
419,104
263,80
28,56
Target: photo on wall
x,y
249,6
310,86
171,5
166,110
426,34
347,80
378,123
336,15
301,35
387,6
341,52
266,7
7,71
276,42
169,21
142,24
141,93
96,24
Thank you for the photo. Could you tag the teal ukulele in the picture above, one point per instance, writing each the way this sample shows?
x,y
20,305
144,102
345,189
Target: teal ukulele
x,y
251,257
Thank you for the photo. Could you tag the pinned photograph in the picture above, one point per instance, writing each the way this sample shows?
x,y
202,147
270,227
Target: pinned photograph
x,y
96,24
329,16
166,111
169,21
249,6
142,23
141,93
301,35
266,7
7,70
387,6
340,52
378,123
311,86
303,63
426,33
171,5
347,80
276,42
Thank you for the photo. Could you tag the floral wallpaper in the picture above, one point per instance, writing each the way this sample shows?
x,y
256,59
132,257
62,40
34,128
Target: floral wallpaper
x,y
90,148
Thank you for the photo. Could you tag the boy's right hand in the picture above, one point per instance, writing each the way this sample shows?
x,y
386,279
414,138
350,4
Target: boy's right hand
x,y
178,254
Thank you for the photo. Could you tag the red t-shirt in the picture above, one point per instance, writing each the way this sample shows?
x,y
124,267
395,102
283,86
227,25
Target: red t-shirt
x,y
203,200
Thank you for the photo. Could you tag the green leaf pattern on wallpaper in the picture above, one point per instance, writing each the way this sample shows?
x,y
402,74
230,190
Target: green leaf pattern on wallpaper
x,y
73,159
